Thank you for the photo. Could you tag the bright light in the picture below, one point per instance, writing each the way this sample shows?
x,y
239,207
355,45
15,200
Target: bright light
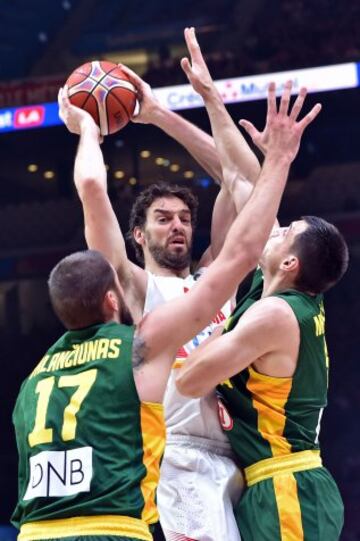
x,y
132,181
145,153
174,167
119,174
159,161
49,174
189,174
32,168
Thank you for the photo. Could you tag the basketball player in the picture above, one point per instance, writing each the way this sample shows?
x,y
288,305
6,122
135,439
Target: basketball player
x,y
272,363
88,419
194,434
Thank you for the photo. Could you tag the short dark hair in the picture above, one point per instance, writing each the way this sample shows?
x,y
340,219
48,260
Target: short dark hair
x,y
77,286
147,197
323,255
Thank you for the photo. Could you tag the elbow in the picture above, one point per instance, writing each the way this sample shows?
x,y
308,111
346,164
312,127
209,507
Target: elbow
x,y
254,171
90,187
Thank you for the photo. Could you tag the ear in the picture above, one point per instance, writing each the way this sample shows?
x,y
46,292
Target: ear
x,y
139,235
290,263
110,304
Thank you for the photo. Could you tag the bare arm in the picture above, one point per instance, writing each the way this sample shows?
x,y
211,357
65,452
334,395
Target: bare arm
x,y
268,329
198,143
102,229
240,166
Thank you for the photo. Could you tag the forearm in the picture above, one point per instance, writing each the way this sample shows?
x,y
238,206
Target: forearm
x,y
102,231
198,143
223,215
89,162
252,227
196,378
237,159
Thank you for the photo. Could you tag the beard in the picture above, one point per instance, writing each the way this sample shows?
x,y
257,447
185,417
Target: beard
x,y
176,261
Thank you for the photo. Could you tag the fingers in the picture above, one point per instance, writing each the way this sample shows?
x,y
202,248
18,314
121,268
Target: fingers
x,y
193,45
299,102
249,128
310,116
186,67
271,99
63,99
134,77
63,102
285,98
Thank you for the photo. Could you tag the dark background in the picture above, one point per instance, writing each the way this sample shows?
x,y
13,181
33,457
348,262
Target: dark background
x,y
41,218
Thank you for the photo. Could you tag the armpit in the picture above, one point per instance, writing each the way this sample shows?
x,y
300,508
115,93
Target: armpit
x,y
138,352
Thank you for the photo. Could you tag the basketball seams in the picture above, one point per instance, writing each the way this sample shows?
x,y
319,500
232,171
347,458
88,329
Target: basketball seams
x,y
122,105
111,115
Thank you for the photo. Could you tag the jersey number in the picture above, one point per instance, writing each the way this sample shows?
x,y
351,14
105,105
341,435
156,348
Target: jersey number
x,y
83,382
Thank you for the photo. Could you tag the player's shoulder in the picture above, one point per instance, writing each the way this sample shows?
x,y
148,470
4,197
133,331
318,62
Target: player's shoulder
x,y
274,310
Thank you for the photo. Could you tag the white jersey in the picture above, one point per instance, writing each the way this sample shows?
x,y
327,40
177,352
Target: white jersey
x,y
187,416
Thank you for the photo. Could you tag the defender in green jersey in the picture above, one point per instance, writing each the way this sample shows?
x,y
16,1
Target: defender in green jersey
x,y
273,364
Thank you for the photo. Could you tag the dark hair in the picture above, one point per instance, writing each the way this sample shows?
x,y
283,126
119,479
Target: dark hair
x,y
323,255
145,199
77,286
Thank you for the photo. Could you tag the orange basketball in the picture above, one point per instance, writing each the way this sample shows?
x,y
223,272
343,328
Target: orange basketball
x,y
105,91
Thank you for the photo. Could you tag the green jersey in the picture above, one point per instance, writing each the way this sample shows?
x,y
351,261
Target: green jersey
x,y
267,416
88,446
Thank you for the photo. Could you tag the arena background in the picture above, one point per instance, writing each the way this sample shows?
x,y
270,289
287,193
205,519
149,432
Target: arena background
x,y
40,216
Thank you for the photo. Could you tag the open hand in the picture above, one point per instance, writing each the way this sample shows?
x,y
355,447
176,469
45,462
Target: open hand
x,y
282,131
196,71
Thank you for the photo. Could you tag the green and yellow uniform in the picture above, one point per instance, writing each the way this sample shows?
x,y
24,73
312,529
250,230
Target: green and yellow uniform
x,y
273,425
89,449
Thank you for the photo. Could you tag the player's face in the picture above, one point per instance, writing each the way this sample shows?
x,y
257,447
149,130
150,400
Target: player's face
x,y
279,245
168,233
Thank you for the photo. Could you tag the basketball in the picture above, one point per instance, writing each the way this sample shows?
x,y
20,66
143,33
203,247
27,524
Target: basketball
x,y
102,89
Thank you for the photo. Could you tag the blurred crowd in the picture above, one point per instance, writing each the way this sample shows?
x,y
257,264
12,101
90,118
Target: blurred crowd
x,y
294,34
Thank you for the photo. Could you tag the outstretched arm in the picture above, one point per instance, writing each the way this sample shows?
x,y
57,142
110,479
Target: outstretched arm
x,y
238,162
102,231
198,143
268,328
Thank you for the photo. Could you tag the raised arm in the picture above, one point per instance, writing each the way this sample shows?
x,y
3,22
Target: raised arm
x,y
238,162
198,143
102,230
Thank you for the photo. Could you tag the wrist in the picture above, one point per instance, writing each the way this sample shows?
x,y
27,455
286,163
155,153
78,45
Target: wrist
x,y
159,116
87,125
211,95
276,156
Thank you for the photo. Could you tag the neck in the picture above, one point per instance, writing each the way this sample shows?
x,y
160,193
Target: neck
x,y
274,283
156,269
